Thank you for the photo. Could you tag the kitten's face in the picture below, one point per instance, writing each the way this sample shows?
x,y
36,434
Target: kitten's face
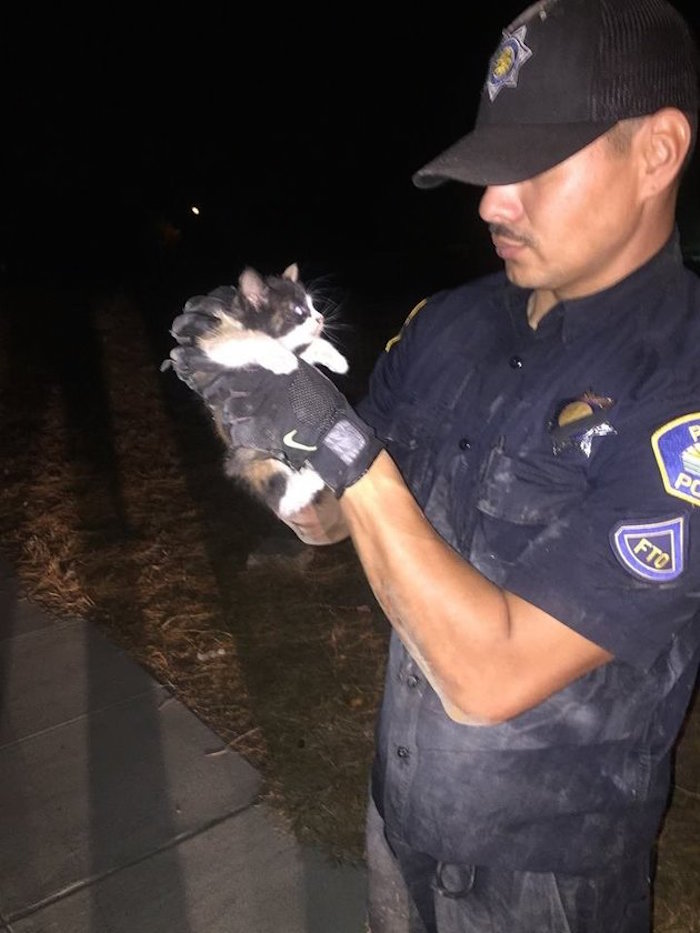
x,y
293,319
281,307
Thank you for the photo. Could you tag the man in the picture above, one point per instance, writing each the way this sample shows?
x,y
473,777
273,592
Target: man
x,y
522,487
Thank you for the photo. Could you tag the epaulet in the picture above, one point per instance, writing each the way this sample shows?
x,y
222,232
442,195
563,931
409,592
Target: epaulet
x,y
395,339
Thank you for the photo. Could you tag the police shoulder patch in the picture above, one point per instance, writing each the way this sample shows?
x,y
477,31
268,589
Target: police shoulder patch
x,y
676,446
390,343
651,551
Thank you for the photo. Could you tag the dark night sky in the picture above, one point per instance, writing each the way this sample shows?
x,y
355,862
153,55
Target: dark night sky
x,y
295,134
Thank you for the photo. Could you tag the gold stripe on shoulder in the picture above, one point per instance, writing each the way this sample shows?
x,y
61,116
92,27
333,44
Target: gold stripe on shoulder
x,y
390,343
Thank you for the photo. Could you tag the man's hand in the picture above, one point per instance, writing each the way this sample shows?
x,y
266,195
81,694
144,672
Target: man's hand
x,y
299,417
320,523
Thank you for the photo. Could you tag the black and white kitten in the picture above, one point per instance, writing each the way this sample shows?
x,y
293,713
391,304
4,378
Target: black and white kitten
x,y
267,321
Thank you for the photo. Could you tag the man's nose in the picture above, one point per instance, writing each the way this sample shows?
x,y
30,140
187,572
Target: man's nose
x,y
500,204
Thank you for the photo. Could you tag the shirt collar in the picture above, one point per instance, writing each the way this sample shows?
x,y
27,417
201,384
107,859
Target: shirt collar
x,y
582,316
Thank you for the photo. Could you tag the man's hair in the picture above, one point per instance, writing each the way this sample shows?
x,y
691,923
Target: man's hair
x,y
619,138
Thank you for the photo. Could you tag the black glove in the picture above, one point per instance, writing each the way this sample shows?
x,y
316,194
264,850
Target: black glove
x,y
299,417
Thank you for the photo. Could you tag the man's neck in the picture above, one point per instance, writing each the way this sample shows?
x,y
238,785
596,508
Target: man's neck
x,y
542,300
539,303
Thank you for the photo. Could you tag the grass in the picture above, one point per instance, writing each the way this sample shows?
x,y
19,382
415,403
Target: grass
x,y
113,507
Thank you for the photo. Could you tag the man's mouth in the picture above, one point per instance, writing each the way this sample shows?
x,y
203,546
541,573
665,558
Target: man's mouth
x,y
507,243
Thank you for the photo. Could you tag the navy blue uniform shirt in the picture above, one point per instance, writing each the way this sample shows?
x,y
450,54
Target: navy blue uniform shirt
x,y
564,464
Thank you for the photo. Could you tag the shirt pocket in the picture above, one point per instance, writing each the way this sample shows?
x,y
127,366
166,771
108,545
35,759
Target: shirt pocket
x,y
516,499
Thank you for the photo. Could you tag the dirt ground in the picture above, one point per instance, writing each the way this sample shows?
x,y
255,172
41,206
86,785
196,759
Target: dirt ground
x,y
113,507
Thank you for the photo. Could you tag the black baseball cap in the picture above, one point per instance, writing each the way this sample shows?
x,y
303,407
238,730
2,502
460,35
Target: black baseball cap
x,y
564,73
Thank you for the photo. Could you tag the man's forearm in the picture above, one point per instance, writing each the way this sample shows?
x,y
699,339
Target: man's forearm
x,y
486,652
421,584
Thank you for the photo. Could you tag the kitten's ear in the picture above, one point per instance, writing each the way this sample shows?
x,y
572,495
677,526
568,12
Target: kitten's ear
x,y
291,272
252,287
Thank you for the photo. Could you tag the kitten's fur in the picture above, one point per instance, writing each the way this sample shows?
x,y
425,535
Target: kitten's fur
x,y
269,322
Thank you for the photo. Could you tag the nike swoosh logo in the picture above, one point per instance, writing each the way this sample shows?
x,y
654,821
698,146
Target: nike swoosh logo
x,y
288,439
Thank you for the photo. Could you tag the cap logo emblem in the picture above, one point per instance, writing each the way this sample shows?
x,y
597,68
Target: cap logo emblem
x,y
507,61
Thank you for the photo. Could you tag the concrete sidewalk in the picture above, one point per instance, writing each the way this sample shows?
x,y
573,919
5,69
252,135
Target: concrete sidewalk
x,y
121,812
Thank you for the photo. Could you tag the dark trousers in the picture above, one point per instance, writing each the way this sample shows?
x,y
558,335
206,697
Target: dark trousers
x,y
409,892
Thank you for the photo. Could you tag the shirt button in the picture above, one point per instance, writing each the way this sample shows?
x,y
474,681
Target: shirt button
x,y
515,362
402,751
412,680
464,443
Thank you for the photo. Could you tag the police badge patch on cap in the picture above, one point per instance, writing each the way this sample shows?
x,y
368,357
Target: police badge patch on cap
x,y
507,62
652,551
676,446
512,52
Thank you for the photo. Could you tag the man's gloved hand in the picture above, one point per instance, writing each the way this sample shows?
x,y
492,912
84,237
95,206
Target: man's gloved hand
x,y
299,417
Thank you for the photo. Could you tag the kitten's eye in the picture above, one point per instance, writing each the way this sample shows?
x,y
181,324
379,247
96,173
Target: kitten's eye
x,y
298,310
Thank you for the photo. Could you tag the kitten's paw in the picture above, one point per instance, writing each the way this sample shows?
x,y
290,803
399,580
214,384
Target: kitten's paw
x,y
251,349
338,364
278,360
300,491
322,352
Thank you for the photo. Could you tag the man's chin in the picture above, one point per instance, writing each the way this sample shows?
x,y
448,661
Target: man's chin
x,y
518,275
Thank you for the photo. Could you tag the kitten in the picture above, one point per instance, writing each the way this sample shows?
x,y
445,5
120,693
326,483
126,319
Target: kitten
x,y
267,321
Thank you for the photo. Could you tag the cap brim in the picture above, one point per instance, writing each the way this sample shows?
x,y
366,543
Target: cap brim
x,y
504,155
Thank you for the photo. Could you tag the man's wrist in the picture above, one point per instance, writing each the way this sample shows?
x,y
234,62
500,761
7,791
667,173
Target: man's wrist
x,y
345,452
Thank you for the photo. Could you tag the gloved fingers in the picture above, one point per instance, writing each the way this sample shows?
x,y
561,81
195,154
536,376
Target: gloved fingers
x,y
192,325
191,359
215,303
253,433
224,294
254,399
218,301
203,314
199,373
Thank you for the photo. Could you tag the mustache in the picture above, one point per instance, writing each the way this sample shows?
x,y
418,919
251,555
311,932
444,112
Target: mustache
x,y
509,234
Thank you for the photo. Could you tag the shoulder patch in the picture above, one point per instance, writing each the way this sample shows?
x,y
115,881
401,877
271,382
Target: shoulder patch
x,y
390,343
651,551
676,446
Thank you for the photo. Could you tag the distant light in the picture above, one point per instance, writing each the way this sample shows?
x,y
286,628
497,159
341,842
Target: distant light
x,y
195,210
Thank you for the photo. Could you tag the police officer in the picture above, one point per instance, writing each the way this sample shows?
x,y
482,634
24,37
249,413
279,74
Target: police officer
x,y
522,487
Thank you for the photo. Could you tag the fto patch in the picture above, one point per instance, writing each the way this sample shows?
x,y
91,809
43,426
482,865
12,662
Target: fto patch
x,y
676,446
653,551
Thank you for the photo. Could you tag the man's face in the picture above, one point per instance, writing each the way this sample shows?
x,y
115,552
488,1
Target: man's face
x,y
573,229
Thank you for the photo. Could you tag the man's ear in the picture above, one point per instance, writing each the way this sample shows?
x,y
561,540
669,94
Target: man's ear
x,y
665,140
